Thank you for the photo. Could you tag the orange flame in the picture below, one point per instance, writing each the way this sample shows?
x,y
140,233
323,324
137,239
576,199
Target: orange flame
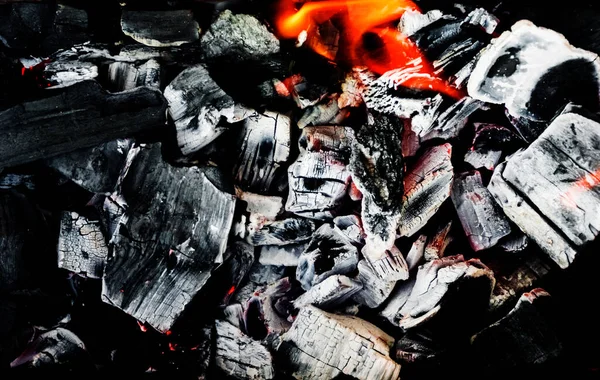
x,y
358,19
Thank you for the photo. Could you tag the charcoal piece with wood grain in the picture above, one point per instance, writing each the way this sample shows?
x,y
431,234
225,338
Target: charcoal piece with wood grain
x,y
172,233
160,28
76,117
438,242
128,75
329,293
280,232
374,291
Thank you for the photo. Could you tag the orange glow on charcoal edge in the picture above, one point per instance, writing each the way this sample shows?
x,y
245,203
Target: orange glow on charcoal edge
x,y
358,17
582,185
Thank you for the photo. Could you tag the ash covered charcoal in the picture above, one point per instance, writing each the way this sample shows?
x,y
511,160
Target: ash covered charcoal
x,y
326,112
426,186
268,312
66,73
438,242
377,171
264,205
238,356
82,246
160,28
175,226
433,282
258,277
280,232
331,292
481,217
265,149
417,252
396,300
490,143
321,345
95,169
126,75
286,255
374,291
351,227
319,178
76,117
549,190
58,350
200,109
526,336
238,37
517,71
328,252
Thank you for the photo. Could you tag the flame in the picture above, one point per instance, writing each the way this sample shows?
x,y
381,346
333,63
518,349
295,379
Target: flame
x,y
362,21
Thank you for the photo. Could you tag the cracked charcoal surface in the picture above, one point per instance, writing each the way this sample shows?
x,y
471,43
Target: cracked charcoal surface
x,y
333,291
281,232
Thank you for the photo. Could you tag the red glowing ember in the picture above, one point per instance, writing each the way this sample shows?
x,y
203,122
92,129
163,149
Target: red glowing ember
x,y
230,291
142,327
369,37
586,183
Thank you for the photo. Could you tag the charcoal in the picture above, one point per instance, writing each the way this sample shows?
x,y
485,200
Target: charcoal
x,y
286,255
350,226
504,74
483,159
160,28
352,89
60,74
267,206
238,356
267,314
417,252
525,336
70,28
396,300
377,171
490,143
445,123
436,244
413,20
374,291
414,347
82,247
13,180
15,231
265,149
126,75
156,268
234,314
482,219
281,232
24,25
237,37
426,186
234,264
199,108
56,349
433,282
336,139
554,177
95,169
331,292
76,117
259,276
324,113
328,252
321,345
517,241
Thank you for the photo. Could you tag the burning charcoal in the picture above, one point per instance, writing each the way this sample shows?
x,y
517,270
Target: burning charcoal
x,y
238,37
81,245
377,170
259,276
396,300
352,90
433,282
198,107
70,28
414,348
524,337
326,346
480,216
62,73
235,263
281,232
556,176
268,206
286,255
76,117
234,314
23,25
125,75
483,159
160,28
264,150
436,245
268,311
240,357
328,138
374,291
95,169
517,71
328,253
175,224
351,227
331,292
57,349
327,112
427,186
413,20
417,252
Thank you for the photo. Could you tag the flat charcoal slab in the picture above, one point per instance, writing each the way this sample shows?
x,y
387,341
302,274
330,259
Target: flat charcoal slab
x,y
160,28
481,218
323,346
175,225
76,117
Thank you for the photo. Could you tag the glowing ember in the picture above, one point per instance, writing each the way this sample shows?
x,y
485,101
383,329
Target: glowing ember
x,y
142,327
169,332
231,290
370,38
172,346
582,185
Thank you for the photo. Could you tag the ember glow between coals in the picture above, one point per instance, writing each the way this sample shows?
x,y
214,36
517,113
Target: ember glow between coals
x,y
368,37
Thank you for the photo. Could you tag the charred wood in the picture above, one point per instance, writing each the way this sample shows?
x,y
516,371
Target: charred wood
x,y
267,206
332,291
374,291
286,255
436,245
160,28
281,232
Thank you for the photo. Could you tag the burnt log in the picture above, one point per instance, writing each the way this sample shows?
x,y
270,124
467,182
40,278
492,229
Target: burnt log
x,y
321,345
46,127
481,217
82,248
160,28
173,230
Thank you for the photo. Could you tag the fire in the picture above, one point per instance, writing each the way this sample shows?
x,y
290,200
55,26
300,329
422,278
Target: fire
x,y
368,37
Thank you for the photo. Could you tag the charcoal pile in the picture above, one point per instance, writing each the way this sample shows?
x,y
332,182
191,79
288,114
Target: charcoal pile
x,y
240,190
